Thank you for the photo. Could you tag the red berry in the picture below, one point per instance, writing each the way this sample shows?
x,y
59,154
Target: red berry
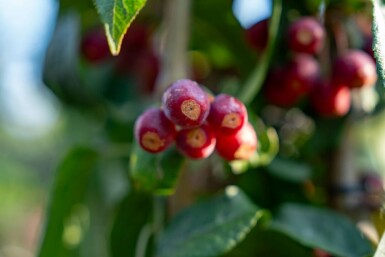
x,y
258,35
276,91
196,143
301,73
94,46
153,131
238,146
306,35
355,69
227,114
331,100
146,71
186,104
136,39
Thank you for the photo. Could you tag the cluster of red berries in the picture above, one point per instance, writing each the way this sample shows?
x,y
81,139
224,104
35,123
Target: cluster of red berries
x,y
301,76
197,124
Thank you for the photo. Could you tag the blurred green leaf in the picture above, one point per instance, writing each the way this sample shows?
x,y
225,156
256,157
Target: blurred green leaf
x,y
290,170
258,75
117,16
210,228
132,215
323,229
156,173
264,242
69,189
378,36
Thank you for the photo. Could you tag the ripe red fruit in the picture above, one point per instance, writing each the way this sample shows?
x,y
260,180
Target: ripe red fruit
x,y
227,114
186,104
306,35
277,93
301,73
238,146
94,46
331,100
196,143
153,131
355,69
258,35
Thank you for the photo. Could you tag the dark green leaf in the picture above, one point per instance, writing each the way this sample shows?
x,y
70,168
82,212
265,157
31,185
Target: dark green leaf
x,y
321,228
290,170
156,173
133,214
117,16
69,189
378,36
210,228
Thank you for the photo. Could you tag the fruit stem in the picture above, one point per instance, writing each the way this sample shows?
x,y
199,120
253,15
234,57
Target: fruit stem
x,y
174,58
255,81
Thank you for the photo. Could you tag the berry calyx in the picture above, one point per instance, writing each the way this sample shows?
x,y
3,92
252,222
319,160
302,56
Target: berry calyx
x,y
186,104
355,69
227,114
153,131
238,146
331,100
196,143
306,35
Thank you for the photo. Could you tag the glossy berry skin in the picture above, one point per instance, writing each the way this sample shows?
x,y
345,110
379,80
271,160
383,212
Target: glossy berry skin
x,y
186,104
227,114
153,131
300,74
306,35
331,100
257,35
196,143
277,93
238,146
94,46
355,69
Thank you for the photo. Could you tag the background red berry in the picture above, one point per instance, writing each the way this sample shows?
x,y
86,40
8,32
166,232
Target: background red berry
x,y
227,114
238,146
331,100
258,34
153,131
355,69
94,46
300,74
306,35
196,143
186,104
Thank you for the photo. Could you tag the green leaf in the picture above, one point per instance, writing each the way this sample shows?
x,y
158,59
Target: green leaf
x,y
156,173
257,77
210,228
323,229
117,16
290,170
69,189
378,37
132,215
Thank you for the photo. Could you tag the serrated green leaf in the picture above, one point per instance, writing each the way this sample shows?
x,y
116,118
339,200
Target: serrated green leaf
x,y
323,229
210,228
117,16
378,36
69,190
156,173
